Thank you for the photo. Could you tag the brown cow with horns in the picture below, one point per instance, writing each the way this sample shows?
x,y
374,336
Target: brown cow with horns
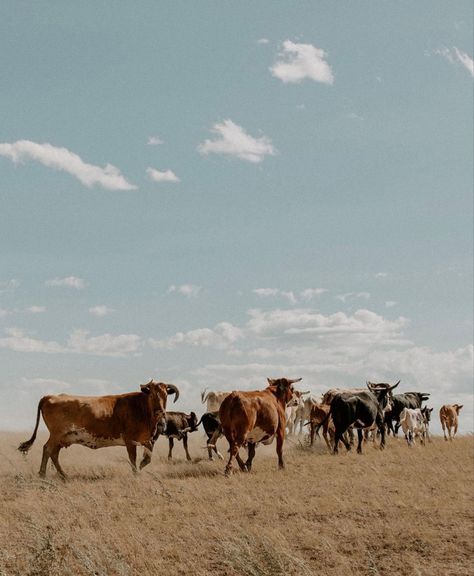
x,y
130,420
253,417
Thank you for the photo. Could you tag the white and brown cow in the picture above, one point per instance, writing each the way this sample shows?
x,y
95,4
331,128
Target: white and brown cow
x,y
413,424
213,400
448,416
130,420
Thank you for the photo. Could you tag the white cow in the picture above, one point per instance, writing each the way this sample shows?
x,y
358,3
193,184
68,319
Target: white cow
x,y
413,424
293,410
303,411
213,400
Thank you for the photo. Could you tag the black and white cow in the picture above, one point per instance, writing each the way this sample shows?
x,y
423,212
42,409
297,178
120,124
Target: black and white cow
x,y
178,424
360,410
399,403
212,427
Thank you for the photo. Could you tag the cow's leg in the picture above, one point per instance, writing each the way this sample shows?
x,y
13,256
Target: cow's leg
x,y
170,451
455,428
312,430
279,448
397,427
233,450
147,452
185,444
44,460
132,454
240,462
55,458
251,455
350,431
443,426
210,448
360,438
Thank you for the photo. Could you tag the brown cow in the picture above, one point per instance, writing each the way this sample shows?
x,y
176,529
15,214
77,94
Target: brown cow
x,y
318,417
253,417
448,414
130,420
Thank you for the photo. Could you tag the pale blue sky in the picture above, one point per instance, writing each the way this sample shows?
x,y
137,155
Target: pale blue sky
x,y
360,189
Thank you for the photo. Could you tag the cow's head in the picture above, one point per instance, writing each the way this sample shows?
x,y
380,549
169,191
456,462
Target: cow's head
x,y
157,394
283,388
458,407
383,392
297,398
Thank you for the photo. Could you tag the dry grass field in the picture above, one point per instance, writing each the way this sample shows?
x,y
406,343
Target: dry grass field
x,y
402,511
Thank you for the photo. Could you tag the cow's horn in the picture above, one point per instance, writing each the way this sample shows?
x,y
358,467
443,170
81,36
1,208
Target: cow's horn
x,y
307,392
172,389
294,381
370,384
395,385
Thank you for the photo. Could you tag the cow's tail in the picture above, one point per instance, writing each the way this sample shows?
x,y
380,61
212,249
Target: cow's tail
x,y
25,446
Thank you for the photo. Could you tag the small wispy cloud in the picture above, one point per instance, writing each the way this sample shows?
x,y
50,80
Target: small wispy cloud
x,y
263,41
154,141
390,303
101,310
68,282
305,295
454,55
7,285
62,159
352,295
166,176
381,274
232,140
188,290
302,61
36,309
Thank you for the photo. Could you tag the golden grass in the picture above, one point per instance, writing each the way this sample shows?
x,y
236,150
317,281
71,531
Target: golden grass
x,y
401,511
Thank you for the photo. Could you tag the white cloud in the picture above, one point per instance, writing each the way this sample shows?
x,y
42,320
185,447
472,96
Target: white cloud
x,y
36,309
456,55
188,290
101,310
381,274
221,337
7,285
263,41
305,295
68,282
166,176
104,345
352,295
154,141
79,342
300,61
18,341
390,303
310,293
63,159
234,141
3,312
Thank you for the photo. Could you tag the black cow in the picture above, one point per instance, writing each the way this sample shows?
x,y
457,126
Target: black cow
x,y
361,410
212,427
399,402
178,424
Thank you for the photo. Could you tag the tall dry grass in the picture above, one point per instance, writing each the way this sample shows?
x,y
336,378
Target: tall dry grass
x,y
401,511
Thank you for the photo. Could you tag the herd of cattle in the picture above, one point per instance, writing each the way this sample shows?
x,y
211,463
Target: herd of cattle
x,y
244,418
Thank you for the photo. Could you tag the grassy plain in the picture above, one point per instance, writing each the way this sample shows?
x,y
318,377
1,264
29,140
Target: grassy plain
x,y
402,511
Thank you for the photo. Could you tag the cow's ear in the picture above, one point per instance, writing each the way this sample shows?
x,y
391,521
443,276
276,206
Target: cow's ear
x,y
145,388
270,381
459,406
430,409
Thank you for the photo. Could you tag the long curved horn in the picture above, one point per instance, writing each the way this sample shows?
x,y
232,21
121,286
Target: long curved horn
x,y
294,381
307,392
203,396
172,389
395,385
